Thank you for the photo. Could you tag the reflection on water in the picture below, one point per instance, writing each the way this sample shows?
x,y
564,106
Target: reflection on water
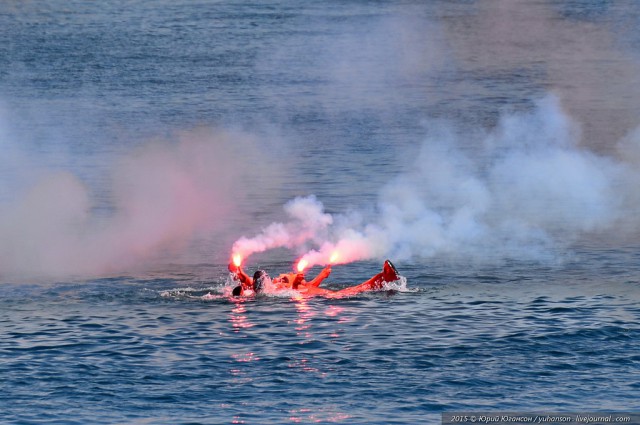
x,y
245,357
333,311
315,326
238,317
336,312
305,314
309,416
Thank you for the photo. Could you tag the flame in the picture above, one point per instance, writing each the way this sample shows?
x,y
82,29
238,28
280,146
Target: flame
x,y
237,260
302,264
334,257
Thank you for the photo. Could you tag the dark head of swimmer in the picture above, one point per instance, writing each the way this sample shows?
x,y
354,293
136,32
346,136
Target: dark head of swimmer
x,y
259,278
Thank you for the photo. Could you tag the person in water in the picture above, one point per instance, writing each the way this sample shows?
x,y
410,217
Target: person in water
x,y
296,281
256,283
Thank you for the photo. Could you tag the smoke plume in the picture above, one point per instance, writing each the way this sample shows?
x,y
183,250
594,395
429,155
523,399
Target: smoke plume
x,y
164,195
526,190
308,223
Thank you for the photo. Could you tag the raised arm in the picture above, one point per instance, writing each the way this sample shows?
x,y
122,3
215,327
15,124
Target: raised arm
x,y
245,280
321,276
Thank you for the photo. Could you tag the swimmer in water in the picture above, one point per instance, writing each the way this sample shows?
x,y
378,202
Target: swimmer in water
x,y
296,281
256,284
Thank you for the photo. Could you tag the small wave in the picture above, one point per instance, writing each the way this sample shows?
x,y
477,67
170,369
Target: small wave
x,y
399,285
208,293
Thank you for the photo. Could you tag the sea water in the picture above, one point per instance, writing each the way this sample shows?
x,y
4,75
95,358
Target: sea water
x,y
338,97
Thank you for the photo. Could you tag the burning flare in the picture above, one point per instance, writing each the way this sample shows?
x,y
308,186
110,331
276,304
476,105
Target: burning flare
x,y
334,257
237,260
302,264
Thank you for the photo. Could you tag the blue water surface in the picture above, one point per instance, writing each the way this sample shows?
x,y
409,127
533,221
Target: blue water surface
x,y
173,349
348,89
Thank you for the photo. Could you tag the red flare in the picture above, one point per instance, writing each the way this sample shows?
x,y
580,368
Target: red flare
x,y
334,257
302,264
237,260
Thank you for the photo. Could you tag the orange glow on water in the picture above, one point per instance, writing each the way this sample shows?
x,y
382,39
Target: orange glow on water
x,y
239,319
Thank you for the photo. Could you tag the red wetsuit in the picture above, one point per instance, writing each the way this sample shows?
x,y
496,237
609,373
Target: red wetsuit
x,y
311,288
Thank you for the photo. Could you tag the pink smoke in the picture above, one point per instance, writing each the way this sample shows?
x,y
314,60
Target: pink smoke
x,y
165,196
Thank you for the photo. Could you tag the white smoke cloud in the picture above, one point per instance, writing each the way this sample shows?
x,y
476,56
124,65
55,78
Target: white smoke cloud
x,y
308,223
530,188
523,191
